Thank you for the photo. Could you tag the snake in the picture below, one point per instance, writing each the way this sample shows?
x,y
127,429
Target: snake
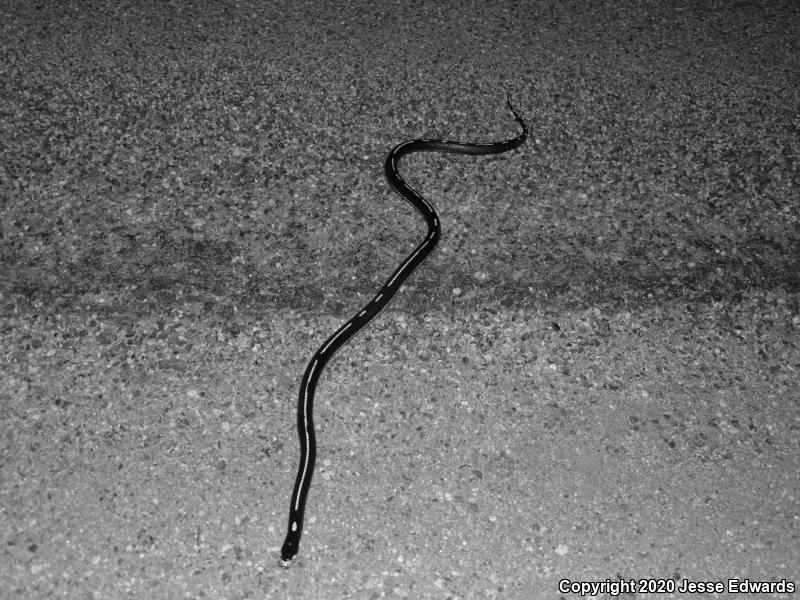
x,y
308,385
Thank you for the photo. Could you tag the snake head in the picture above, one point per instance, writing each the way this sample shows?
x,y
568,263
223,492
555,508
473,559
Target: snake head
x,y
290,547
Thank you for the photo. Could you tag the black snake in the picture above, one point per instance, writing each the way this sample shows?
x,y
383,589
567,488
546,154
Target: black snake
x,y
305,403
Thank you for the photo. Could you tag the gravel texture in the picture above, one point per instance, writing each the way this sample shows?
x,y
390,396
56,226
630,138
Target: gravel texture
x,y
596,377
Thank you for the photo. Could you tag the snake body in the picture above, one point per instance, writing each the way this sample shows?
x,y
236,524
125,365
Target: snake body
x,y
308,385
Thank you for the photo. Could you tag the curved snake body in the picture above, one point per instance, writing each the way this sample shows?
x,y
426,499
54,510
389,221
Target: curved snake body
x,y
308,385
